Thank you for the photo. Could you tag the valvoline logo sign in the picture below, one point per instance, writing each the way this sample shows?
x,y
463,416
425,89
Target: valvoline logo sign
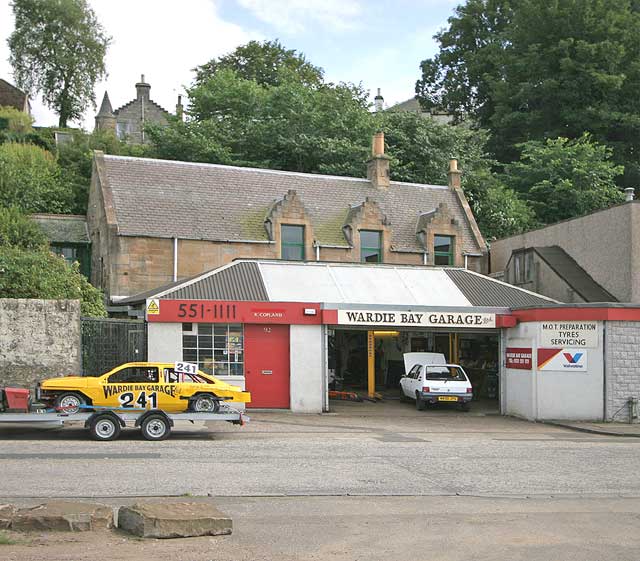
x,y
573,358
562,360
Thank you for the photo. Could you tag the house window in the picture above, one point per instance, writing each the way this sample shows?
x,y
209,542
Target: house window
x,y
217,348
443,250
73,253
292,242
370,246
522,267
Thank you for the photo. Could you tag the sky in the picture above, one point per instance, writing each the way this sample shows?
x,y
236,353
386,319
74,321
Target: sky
x,y
379,43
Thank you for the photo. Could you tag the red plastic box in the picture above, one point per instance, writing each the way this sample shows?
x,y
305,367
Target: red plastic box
x,y
17,399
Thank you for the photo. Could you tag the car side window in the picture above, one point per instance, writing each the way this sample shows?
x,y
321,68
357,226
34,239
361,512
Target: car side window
x,y
412,371
170,376
418,371
135,375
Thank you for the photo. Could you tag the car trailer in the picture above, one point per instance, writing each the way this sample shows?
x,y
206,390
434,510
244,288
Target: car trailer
x,y
106,423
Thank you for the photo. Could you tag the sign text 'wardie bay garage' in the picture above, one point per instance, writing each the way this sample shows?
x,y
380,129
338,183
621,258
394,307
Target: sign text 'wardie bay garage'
x,y
425,319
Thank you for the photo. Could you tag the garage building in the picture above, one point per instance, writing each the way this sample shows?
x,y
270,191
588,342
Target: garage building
x,y
290,331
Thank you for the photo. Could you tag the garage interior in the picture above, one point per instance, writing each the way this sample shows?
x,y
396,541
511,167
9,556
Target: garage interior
x,y
348,359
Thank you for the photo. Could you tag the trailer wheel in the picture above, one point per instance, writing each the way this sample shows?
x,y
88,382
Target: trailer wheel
x,y
204,403
70,402
105,427
155,427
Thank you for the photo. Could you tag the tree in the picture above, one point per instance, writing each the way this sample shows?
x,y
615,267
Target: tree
x,y
16,230
30,180
58,49
563,178
534,69
42,274
263,63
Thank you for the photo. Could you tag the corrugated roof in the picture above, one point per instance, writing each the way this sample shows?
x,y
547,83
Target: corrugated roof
x,y
573,274
485,291
214,202
348,283
63,228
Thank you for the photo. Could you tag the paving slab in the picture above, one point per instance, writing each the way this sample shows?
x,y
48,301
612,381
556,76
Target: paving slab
x,y
70,516
173,520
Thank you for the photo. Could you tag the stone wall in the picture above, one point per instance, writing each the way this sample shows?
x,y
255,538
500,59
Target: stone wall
x,y
622,372
38,339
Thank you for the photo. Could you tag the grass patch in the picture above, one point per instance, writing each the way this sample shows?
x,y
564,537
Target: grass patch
x,y
6,540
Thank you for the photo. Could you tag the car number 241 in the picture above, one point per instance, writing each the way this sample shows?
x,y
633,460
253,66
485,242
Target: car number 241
x,y
128,399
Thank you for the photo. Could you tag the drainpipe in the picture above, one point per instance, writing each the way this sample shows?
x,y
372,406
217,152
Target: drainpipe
x,y
466,260
175,259
425,258
317,251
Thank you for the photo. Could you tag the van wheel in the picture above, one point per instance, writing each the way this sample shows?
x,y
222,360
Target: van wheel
x,y
420,404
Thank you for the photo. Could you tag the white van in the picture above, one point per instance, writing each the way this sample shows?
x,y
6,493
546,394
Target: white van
x,y
430,380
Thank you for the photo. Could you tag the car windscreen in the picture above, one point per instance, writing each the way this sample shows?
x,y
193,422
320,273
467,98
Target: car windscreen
x,y
445,373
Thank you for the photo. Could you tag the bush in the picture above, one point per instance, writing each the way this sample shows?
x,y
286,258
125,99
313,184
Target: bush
x,y
42,274
17,230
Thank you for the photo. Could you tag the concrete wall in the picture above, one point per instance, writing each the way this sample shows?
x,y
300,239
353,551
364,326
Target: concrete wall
x,y
602,242
38,339
307,364
545,395
623,373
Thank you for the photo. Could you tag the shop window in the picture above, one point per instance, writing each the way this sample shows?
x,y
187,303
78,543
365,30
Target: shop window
x,y
370,246
443,250
217,348
292,242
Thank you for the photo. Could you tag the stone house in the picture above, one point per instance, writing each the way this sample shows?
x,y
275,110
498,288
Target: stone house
x,y
128,122
10,96
152,222
591,258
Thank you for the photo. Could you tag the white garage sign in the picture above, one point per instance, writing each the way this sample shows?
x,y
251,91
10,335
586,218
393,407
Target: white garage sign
x,y
556,334
416,319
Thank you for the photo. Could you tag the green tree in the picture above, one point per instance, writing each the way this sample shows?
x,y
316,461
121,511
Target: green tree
x,y
58,49
534,69
42,274
30,180
17,230
564,178
263,63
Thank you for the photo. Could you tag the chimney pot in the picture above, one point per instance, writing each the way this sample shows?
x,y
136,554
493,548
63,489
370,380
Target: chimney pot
x,y
378,164
629,194
378,102
378,144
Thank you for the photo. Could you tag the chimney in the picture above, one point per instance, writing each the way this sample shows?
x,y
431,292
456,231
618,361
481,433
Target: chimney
x,y
629,194
378,164
142,89
179,108
454,175
378,102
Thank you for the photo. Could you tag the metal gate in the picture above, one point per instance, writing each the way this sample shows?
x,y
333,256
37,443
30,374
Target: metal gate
x,y
106,343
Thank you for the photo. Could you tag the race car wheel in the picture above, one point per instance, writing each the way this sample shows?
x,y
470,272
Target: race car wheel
x,y
420,404
70,403
205,404
105,427
155,427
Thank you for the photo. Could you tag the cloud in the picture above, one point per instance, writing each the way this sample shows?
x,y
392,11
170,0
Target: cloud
x,y
296,16
162,39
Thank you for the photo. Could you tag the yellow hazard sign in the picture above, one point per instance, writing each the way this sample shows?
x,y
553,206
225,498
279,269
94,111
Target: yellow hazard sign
x,y
153,308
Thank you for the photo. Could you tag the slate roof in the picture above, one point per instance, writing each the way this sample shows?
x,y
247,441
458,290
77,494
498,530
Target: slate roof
x,y
573,274
63,228
10,96
350,283
166,199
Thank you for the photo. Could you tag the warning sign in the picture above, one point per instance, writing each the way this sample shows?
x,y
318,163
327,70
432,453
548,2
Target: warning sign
x,y
153,307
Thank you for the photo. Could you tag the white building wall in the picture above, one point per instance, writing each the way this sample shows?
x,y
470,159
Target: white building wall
x,y
307,365
546,395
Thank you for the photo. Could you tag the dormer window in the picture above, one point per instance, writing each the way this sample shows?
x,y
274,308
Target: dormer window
x,y
443,250
292,242
370,246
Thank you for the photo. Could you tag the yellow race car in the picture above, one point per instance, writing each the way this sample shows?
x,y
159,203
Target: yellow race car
x,y
173,388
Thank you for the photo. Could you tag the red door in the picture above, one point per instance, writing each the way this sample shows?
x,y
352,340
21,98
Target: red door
x,y
266,354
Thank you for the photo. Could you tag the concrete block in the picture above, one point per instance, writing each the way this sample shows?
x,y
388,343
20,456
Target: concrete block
x,y
6,515
69,516
173,520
